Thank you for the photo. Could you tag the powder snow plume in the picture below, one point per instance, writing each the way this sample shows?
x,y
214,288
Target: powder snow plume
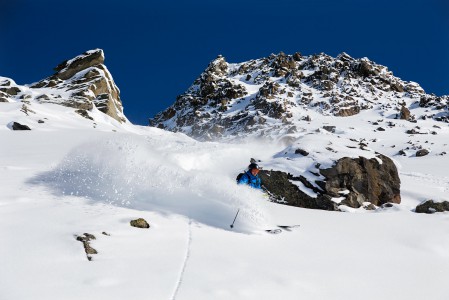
x,y
146,174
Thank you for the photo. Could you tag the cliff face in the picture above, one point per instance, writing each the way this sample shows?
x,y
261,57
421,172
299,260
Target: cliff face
x,y
81,83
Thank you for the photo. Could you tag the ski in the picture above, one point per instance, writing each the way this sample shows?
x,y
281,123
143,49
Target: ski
x,y
282,228
288,227
274,231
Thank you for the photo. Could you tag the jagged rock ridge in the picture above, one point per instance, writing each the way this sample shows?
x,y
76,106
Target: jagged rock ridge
x,y
82,83
268,95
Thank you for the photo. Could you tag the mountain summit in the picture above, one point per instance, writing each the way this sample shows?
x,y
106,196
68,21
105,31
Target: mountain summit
x,y
269,96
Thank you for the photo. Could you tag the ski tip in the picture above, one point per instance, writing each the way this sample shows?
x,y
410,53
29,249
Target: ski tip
x,y
288,226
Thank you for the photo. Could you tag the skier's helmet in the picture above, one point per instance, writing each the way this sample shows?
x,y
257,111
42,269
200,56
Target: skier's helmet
x,y
253,166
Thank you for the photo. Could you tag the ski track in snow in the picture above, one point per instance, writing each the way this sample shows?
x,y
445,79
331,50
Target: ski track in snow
x,y
442,181
184,264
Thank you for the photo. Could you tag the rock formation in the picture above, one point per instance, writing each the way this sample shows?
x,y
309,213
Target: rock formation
x,y
86,243
351,182
231,100
282,190
362,180
139,223
430,207
82,83
18,126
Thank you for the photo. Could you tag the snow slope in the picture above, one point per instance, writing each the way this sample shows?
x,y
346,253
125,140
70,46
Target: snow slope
x,y
68,176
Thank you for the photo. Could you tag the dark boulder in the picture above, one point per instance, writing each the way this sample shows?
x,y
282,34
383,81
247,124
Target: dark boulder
x,y
140,223
412,131
398,87
12,91
18,126
297,56
366,69
302,152
430,207
367,180
347,112
422,152
405,113
359,180
329,128
281,190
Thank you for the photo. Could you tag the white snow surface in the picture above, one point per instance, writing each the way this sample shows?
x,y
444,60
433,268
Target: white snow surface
x,y
69,176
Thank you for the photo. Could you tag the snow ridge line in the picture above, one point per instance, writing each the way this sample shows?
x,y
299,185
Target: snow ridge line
x,y
184,264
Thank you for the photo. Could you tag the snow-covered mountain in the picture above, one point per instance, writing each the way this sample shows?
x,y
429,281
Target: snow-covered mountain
x,y
82,83
71,178
273,96
324,110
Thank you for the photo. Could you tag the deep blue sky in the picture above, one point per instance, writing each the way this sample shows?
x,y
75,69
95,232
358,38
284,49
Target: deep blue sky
x,y
155,49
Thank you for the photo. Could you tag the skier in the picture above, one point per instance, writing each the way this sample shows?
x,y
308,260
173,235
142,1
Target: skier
x,y
250,177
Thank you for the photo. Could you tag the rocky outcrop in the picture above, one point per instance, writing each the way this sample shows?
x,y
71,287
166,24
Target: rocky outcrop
x,y
68,68
211,90
404,113
282,190
18,126
86,82
82,83
374,180
430,207
139,223
357,180
8,89
262,97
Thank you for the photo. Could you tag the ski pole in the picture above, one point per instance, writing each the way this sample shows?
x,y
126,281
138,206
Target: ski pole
x,y
232,225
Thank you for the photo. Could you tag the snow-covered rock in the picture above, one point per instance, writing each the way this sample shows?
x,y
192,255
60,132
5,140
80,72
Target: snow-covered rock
x,y
82,83
268,97
431,206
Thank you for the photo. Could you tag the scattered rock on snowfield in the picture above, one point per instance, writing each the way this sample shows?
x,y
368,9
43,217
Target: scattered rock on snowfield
x,y
402,152
405,113
329,128
422,152
18,126
140,223
430,207
86,243
302,152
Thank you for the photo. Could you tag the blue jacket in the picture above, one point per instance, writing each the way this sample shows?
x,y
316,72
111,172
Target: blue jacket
x,y
251,180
